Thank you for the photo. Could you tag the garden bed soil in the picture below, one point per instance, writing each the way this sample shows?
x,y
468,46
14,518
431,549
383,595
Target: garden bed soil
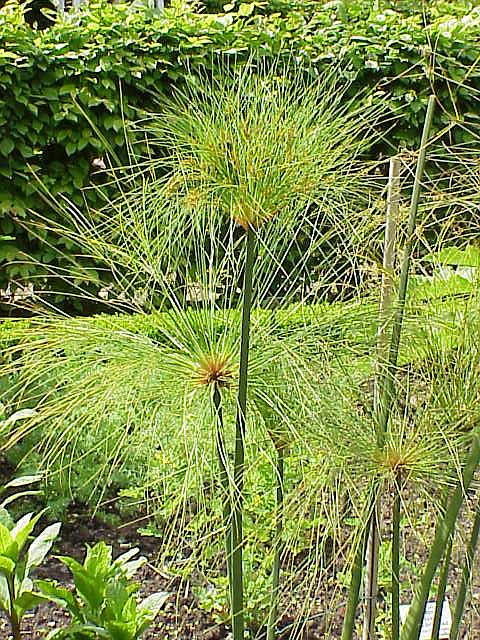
x,y
181,617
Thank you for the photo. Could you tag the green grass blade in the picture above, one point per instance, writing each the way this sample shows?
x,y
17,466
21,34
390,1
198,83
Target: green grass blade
x,y
445,529
442,586
466,576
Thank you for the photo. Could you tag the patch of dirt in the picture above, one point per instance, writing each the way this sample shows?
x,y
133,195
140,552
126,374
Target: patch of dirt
x,y
182,618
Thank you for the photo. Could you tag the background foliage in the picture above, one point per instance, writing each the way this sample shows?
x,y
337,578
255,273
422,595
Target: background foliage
x,y
69,91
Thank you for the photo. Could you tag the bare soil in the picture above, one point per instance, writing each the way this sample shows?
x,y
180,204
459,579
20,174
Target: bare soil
x,y
182,618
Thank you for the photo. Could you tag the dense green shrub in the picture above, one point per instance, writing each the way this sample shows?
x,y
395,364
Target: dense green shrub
x,y
70,89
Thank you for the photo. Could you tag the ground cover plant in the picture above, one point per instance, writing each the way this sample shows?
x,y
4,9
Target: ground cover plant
x,y
17,561
225,388
104,605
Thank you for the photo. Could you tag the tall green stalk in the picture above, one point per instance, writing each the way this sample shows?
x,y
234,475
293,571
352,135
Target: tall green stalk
x,y
466,576
386,393
223,462
445,529
386,295
354,588
273,612
442,587
14,621
396,557
371,570
388,379
238,624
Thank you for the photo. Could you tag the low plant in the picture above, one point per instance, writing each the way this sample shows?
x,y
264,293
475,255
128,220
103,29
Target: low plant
x,y
17,561
104,604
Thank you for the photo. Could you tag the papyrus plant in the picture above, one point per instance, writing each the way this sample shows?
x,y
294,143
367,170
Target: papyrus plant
x,y
383,406
263,149
244,169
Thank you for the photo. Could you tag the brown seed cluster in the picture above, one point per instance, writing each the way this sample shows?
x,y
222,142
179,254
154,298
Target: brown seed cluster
x,y
396,460
213,369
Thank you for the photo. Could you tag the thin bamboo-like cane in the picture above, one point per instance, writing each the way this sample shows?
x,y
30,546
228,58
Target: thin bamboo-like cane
x,y
393,203
466,576
223,464
442,587
273,612
238,625
387,387
386,393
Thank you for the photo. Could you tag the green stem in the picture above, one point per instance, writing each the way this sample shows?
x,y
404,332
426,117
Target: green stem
x,y
382,410
387,377
371,572
16,631
386,295
223,462
354,588
466,576
396,558
442,587
445,529
272,615
386,394
13,617
238,624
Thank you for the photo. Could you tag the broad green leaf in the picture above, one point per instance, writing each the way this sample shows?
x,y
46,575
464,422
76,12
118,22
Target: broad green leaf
x,y
79,632
70,148
125,557
16,496
7,565
41,546
24,527
8,546
61,596
7,145
5,518
25,585
28,600
129,611
51,93
246,9
130,568
23,480
98,561
116,596
149,608
90,588
468,257
4,594
119,630
154,602
6,538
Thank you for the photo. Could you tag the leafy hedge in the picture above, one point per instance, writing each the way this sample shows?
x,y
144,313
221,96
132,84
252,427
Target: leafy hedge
x,y
321,319
66,90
